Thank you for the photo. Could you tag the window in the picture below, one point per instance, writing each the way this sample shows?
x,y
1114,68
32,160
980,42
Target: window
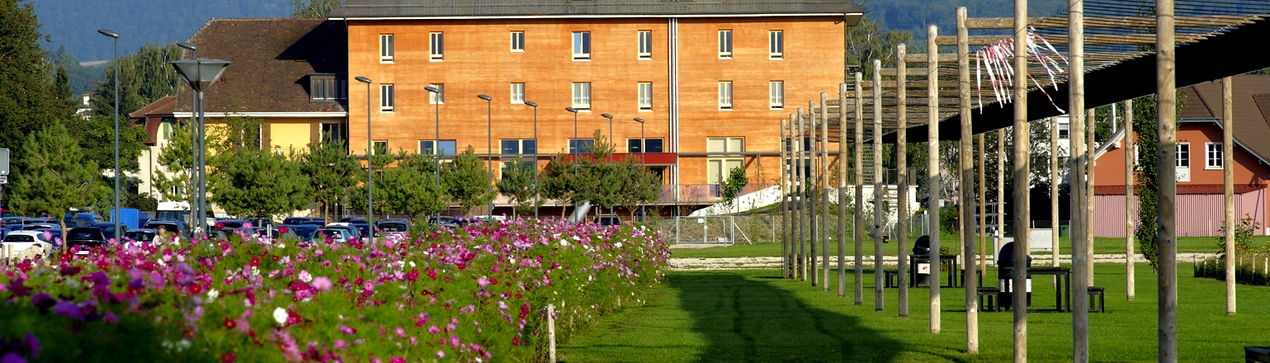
x,y
725,44
776,44
381,147
645,44
436,49
438,97
583,146
518,41
777,97
332,131
1213,155
518,93
582,96
385,48
327,88
385,98
648,146
581,45
645,96
725,95
518,147
447,147
1064,130
1183,155
717,167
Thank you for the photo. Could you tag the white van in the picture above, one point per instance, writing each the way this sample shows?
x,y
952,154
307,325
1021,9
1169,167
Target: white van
x,y
180,211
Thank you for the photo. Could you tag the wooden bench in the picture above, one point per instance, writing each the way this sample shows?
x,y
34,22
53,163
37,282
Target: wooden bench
x,y
892,278
1101,305
988,299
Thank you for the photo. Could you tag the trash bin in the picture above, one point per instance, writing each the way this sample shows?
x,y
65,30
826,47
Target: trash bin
x,y
921,261
1004,276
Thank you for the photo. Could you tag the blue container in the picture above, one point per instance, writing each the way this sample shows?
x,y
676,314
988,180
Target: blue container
x,y
130,217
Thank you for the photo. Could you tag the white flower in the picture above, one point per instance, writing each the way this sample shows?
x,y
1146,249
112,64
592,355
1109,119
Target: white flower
x,y
305,276
183,344
280,315
211,295
412,264
618,245
564,243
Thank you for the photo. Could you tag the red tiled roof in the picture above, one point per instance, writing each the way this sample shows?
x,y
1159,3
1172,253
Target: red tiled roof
x,y
1251,101
271,60
162,106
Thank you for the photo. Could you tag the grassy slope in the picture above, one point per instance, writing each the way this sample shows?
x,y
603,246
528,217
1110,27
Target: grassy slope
x,y
754,316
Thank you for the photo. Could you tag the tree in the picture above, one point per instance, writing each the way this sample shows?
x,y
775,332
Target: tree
x,y
331,173
518,182
409,188
467,181
253,182
558,181
240,132
173,180
870,40
55,175
731,187
144,77
66,103
314,9
25,78
97,138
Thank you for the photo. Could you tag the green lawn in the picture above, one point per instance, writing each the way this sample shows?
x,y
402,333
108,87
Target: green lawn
x,y
755,316
1101,246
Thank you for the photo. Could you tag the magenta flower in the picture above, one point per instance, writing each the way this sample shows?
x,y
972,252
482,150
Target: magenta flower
x,y
321,283
348,330
483,282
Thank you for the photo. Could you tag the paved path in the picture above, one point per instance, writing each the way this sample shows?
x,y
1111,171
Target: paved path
x,y
752,263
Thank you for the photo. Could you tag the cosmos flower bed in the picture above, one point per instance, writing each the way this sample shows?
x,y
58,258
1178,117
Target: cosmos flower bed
x,y
476,293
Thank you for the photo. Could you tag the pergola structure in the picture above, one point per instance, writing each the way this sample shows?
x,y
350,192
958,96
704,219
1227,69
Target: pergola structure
x,y
940,98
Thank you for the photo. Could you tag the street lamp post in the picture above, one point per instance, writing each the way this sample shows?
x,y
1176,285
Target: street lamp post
x,y
611,142
535,106
436,143
193,137
370,165
489,143
115,216
573,144
201,74
643,146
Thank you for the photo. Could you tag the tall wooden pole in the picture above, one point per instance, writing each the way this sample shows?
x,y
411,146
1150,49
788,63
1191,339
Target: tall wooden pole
x,y
878,180
824,188
1228,178
1166,161
1076,93
1055,228
1021,182
967,186
1090,163
842,189
1129,151
800,191
859,189
932,127
901,164
784,168
812,186
983,208
1000,195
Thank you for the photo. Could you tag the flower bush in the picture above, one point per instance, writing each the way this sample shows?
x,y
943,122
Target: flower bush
x,y
476,293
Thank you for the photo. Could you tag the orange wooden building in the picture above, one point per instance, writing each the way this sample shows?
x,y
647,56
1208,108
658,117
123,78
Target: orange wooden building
x,y
711,80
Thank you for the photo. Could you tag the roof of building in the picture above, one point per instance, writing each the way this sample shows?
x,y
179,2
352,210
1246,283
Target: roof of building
x,y
1251,100
271,60
161,106
353,9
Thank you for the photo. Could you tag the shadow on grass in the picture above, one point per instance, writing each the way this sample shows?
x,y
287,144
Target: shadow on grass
x,y
748,319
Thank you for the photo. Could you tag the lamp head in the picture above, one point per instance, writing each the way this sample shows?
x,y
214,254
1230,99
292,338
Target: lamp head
x,y
639,120
432,89
200,73
187,46
571,109
484,97
362,79
532,104
109,33
607,116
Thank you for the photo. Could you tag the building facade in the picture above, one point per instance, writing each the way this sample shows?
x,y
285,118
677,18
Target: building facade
x,y
711,81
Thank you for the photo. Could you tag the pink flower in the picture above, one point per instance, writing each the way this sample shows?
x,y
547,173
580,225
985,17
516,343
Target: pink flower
x,y
454,340
348,330
321,283
483,282
440,354
401,332
305,276
340,344
434,330
396,360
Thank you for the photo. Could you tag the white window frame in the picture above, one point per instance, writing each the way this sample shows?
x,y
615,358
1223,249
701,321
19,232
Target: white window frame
x,y
387,97
581,46
645,44
435,148
1064,130
581,96
518,41
435,98
386,48
725,95
722,161
776,44
1186,152
517,93
776,95
436,46
645,92
725,44
1213,155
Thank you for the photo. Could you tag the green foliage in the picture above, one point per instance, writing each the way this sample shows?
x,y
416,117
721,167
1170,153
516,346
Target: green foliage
x,y
731,187
409,188
597,178
557,182
357,195
253,182
314,9
65,97
467,181
871,40
239,132
144,76
1244,231
80,78
1145,124
55,175
331,173
97,140
518,182
172,179
25,79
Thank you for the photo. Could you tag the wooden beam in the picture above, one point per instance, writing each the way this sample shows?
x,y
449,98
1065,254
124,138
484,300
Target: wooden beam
x,y
1098,39
1111,22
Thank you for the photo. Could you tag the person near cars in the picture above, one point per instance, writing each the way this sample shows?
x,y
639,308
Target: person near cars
x,y
161,235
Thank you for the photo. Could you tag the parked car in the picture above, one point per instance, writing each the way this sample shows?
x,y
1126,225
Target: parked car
x,y
291,221
302,231
352,231
109,228
141,234
352,220
22,240
168,225
337,235
608,220
440,221
393,226
85,238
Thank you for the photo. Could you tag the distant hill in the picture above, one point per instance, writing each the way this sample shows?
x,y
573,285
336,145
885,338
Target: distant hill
x,y
73,24
914,15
